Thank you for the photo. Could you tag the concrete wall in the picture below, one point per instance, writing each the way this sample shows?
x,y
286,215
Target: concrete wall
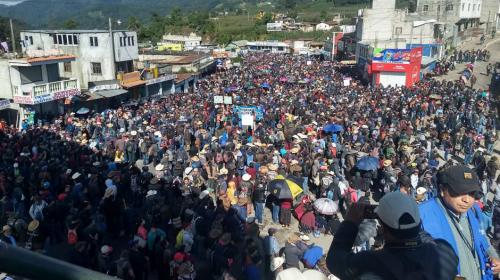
x,y
489,14
470,8
124,53
5,86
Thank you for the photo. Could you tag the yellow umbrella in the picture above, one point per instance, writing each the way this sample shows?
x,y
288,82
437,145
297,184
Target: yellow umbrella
x,y
290,188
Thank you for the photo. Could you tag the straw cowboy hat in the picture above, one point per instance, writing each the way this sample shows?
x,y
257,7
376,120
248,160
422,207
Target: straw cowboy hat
x,y
295,168
33,225
110,125
263,169
294,150
223,171
159,167
277,263
272,167
246,177
387,162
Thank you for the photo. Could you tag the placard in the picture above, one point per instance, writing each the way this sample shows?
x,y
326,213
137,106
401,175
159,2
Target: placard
x,y
228,100
247,120
347,82
218,99
309,62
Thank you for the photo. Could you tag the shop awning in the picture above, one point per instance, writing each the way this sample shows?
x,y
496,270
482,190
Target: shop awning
x,y
133,84
111,93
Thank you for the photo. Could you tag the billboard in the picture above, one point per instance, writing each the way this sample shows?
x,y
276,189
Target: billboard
x,y
274,26
401,56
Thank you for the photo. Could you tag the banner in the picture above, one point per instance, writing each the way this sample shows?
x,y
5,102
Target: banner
x,y
4,104
401,56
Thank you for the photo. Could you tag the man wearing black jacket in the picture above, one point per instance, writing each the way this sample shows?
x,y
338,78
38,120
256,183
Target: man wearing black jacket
x,y
409,253
259,201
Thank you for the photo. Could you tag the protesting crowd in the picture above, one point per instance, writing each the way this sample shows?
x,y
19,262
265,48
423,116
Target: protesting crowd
x,y
177,187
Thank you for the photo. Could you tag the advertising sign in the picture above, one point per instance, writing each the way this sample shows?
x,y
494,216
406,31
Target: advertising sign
x,y
274,26
391,56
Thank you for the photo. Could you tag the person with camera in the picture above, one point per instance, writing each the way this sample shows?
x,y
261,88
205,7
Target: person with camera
x,y
455,217
408,253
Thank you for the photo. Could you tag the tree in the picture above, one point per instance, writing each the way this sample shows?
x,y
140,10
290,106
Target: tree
x,y
133,23
289,4
323,15
70,24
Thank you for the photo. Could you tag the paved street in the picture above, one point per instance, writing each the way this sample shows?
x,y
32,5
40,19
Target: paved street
x,y
483,81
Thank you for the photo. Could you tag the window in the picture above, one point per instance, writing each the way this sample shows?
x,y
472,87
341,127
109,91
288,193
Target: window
x,y
65,39
468,9
426,8
28,40
398,30
93,42
474,7
449,7
479,7
463,6
133,40
121,41
129,41
96,68
67,67
54,38
439,8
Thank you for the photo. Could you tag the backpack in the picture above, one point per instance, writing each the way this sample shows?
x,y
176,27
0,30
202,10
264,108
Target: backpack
x,y
72,237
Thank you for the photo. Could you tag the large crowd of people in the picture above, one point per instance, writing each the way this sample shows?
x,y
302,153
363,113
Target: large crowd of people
x,y
177,188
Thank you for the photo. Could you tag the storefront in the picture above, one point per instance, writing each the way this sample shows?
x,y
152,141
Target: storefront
x,y
45,106
395,67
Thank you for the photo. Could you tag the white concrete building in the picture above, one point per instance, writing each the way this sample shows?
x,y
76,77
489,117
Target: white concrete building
x,y
323,27
188,42
33,83
98,58
459,20
385,27
489,15
268,46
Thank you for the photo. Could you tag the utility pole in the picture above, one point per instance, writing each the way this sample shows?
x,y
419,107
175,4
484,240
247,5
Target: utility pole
x,y
12,37
110,26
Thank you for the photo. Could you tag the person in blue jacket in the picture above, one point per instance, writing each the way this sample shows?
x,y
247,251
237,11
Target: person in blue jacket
x,y
454,216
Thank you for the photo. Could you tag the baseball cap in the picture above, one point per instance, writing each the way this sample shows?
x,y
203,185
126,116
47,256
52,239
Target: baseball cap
x,y
398,211
460,179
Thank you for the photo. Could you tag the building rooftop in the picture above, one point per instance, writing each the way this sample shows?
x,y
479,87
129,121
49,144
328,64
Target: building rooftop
x,y
33,61
73,31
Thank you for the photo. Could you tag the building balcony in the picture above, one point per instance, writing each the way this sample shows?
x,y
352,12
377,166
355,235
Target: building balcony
x,y
40,93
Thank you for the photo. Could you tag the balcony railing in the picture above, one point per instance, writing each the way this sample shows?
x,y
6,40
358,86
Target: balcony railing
x,y
54,87
35,94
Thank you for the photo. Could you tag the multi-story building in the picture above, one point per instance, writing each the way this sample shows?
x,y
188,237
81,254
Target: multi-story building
x,y
186,43
97,56
459,20
32,84
489,15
